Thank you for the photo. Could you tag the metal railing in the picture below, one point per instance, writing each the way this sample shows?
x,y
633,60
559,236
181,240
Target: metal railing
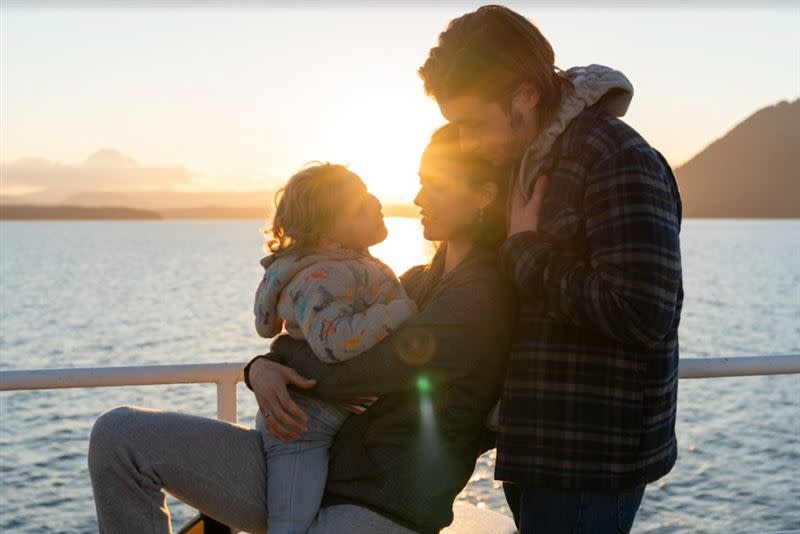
x,y
227,375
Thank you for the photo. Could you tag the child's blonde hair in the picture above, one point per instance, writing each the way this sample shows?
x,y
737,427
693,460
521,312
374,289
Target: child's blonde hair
x,y
309,204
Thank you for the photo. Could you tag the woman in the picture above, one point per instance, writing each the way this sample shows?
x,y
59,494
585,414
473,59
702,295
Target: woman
x,y
397,467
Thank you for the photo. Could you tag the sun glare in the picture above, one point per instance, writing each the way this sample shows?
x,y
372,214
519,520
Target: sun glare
x,y
384,147
405,247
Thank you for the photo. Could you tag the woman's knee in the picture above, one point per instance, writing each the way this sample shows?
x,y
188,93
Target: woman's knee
x,y
107,432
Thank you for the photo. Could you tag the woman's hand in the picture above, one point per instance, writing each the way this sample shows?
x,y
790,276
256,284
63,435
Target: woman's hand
x,y
284,419
525,215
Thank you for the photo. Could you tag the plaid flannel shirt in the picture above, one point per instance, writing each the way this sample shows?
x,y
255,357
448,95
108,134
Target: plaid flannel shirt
x,y
589,400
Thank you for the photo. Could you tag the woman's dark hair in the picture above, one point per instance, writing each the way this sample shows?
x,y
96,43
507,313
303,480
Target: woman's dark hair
x,y
443,156
489,229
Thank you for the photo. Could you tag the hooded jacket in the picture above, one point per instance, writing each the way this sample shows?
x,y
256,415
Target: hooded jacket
x,y
341,301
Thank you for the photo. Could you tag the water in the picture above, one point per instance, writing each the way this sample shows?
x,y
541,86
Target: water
x,y
78,294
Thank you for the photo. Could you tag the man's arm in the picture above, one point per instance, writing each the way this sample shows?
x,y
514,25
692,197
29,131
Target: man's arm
x,y
628,286
445,340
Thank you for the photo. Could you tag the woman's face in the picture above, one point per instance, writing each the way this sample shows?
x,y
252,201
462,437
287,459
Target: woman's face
x,y
360,224
448,206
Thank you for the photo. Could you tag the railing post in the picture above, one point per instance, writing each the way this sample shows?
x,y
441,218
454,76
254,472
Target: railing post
x,y
226,400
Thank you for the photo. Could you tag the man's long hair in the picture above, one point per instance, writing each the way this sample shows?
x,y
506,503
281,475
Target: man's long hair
x,y
488,53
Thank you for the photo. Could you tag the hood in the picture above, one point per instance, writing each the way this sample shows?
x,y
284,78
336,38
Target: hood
x,y
279,271
594,85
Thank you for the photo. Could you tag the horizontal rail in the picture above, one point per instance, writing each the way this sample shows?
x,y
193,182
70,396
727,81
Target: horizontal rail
x,y
227,375
779,364
135,375
143,375
224,375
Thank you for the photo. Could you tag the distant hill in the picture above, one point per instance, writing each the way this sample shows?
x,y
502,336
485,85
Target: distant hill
x,y
28,212
752,171
174,204
216,212
164,204
10,211
174,200
401,210
155,200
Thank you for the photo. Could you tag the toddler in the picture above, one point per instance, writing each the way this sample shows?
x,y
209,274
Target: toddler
x,y
322,285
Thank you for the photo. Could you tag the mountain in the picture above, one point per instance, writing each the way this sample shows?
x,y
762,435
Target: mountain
x,y
752,171
216,212
155,205
22,212
162,204
151,200
173,200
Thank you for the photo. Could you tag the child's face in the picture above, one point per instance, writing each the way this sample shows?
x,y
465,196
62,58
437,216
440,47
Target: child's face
x,y
361,222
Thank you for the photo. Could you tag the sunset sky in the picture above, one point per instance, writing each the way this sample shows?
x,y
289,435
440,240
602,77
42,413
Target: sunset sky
x,y
240,97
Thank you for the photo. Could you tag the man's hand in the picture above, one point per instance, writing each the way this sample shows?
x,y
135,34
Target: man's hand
x,y
283,418
524,215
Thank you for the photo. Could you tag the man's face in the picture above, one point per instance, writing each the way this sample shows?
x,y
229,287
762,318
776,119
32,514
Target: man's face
x,y
486,128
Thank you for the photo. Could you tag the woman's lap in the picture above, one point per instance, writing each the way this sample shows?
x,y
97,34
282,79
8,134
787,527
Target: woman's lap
x,y
211,465
214,466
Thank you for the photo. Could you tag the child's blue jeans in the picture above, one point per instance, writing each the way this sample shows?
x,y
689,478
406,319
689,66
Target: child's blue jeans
x,y
297,470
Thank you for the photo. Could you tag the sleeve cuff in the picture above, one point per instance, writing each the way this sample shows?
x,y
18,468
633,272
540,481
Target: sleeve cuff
x,y
514,242
246,370
399,311
518,255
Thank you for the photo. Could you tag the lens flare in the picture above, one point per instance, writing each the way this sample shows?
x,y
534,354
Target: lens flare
x,y
423,385
416,348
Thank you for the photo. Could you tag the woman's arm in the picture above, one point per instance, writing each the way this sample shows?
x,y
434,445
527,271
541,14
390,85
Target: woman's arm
x,y
268,381
445,340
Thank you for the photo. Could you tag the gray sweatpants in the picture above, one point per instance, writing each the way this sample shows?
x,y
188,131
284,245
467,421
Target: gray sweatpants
x,y
211,465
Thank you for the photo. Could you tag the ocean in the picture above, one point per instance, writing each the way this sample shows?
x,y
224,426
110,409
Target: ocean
x,y
100,293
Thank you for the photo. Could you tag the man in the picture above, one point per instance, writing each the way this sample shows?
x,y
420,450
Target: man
x,y
587,415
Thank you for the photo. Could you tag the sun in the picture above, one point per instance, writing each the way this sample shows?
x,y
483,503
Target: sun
x,y
383,145
384,148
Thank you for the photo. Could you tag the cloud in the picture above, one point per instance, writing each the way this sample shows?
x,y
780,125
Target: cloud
x,y
106,169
